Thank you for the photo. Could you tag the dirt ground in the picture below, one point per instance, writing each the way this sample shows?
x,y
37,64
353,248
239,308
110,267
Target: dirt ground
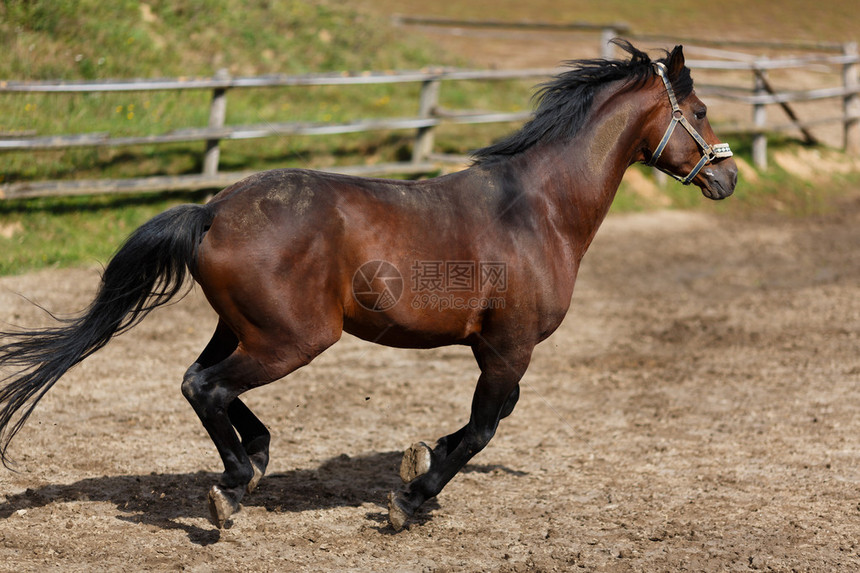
x,y
696,411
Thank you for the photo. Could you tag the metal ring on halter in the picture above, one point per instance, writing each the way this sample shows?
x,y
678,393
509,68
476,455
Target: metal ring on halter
x,y
709,153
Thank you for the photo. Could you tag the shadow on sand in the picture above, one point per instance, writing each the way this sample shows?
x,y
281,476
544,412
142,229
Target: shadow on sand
x,y
161,500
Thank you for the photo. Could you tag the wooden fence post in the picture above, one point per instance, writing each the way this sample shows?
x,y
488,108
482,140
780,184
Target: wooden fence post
x,y
607,48
851,103
429,100
759,144
217,114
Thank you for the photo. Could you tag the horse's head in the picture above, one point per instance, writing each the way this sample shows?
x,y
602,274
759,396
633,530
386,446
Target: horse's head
x,y
692,154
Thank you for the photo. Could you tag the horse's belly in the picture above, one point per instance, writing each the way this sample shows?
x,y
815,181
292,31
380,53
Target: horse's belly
x,y
414,331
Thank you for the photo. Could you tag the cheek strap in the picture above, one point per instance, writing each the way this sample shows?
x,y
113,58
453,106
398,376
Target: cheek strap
x,y
709,153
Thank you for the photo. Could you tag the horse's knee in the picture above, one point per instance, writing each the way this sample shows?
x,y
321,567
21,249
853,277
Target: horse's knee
x,y
191,384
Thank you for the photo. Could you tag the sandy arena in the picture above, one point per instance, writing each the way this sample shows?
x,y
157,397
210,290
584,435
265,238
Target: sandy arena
x,y
698,410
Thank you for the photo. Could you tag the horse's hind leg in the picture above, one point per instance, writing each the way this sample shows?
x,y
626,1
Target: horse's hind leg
x,y
211,391
428,471
255,436
255,439
212,386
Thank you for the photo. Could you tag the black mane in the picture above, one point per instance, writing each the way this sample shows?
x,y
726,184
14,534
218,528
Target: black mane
x,y
563,102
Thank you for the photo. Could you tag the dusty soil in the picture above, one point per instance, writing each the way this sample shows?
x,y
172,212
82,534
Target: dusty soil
x,y
696,411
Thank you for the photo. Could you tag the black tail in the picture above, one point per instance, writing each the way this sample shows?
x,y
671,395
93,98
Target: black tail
x,y
146,272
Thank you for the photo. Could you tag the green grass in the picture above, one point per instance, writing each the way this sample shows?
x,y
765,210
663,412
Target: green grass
x,y
40,233
85,39
90,39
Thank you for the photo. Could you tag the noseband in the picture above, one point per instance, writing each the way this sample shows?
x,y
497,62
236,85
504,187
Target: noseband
x,y
709,153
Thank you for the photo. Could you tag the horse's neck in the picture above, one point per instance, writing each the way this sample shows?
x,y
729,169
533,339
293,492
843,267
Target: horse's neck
x,y
578,179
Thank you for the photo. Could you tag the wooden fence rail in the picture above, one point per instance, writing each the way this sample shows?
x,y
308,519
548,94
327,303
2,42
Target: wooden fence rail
x,y
764,95
429,117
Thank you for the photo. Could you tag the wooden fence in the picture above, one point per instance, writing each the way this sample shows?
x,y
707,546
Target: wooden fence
x,y
764,95
428,118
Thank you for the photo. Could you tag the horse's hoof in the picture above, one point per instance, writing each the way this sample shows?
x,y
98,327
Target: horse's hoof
x,y
416,462
258,475
221,506
397,516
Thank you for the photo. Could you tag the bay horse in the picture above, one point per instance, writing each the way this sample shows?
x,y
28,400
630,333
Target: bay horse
x,y
290,258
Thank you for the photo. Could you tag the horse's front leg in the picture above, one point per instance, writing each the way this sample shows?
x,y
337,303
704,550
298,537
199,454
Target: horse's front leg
x,y
428,471
419,457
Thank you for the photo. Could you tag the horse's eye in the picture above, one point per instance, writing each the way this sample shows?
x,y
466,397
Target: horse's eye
x,y
701,114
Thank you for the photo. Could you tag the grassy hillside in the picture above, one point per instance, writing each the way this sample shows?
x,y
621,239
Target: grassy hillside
x,y
91,39
786,20
88,39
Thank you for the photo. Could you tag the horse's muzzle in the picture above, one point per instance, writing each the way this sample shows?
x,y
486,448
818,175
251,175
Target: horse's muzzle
x,y
719,179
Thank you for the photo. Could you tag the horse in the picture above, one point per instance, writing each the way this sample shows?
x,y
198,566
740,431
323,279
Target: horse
x,y
486,257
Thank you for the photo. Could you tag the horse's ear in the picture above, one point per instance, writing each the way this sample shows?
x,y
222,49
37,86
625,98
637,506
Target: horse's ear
x,y
676,62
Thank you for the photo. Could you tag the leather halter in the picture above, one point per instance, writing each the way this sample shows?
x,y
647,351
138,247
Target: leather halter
x,y
709,153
